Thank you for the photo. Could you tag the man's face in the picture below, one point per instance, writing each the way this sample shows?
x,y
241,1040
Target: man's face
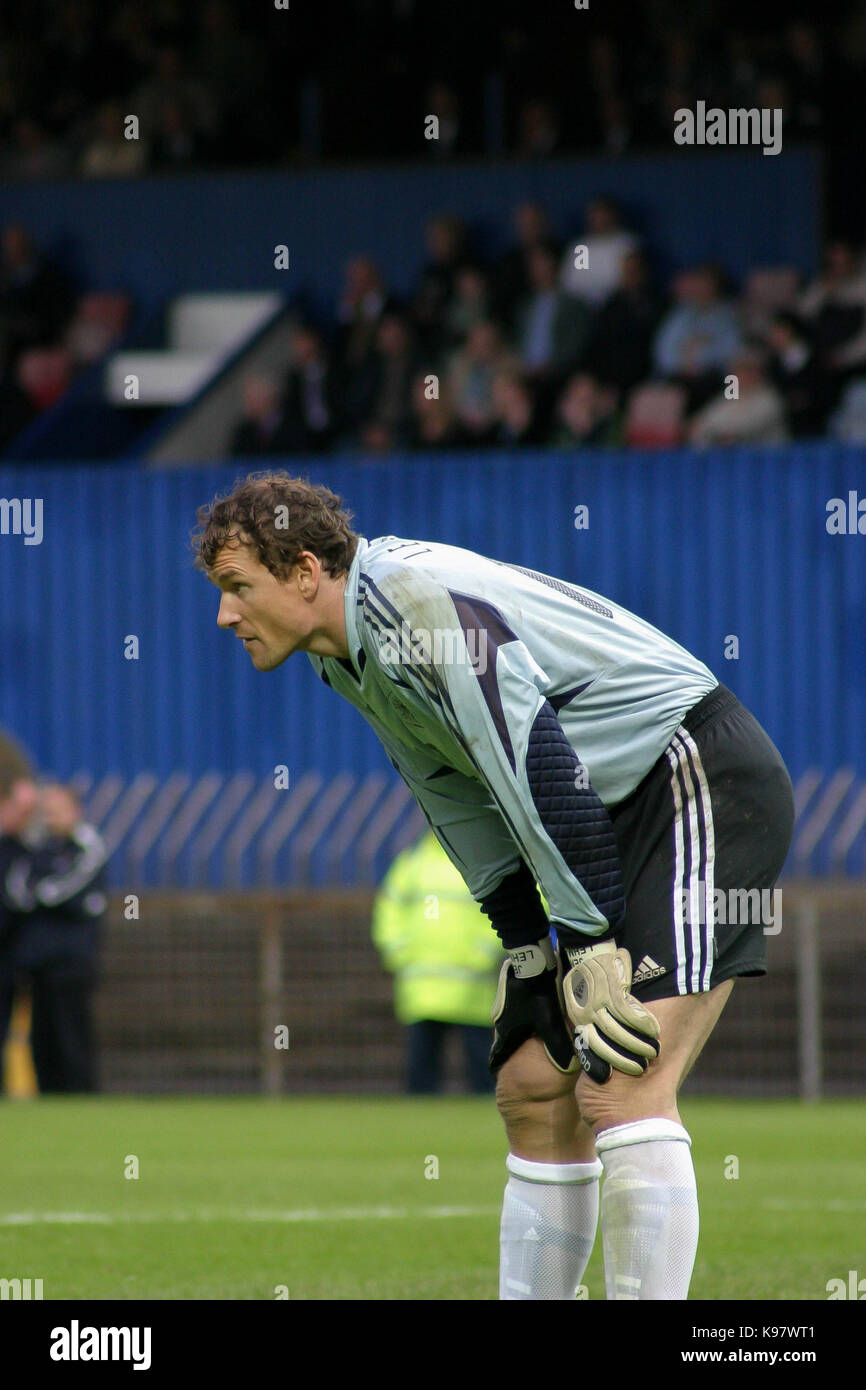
x,y
19,807
60,809
272,616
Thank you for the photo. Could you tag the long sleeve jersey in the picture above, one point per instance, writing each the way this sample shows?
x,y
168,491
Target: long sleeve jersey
x,y
517,708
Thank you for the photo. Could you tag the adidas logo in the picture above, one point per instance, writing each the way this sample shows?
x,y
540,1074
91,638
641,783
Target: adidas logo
x,y
647,970
532,1234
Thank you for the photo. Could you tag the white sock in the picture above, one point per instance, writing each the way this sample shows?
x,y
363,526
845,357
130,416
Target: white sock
x,y
549,1219
649,1210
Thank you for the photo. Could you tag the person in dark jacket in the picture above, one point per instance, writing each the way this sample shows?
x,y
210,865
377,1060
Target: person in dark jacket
x,y
620,348
312,394
52,898
262,427
797,374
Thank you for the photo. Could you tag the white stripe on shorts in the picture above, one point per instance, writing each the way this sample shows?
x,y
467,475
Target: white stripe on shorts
x,y
693,816
679,869
709,865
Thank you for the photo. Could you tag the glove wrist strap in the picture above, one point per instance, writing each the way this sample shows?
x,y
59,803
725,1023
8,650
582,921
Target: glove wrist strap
x,y
576,954
527,961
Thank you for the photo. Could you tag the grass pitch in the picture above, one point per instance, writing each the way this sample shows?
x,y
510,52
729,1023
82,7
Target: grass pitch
x,y
330,1198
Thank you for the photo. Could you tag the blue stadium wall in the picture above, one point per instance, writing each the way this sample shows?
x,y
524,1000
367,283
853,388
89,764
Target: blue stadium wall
x,y
704,546
157,237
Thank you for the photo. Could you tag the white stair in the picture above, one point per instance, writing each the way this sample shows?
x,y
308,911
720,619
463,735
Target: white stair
x,y
204,330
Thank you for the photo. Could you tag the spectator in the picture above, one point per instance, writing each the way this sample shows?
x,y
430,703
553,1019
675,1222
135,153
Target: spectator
x,y
52,894
171,84
671,100
736,83
14,765
446,249
797,375
586,414
516,413
433,424
386,421
469,304
603,100
470,376
756,416
228,60
805,70
176,143
620,347
109,154
16,411
538,135
76,61
361,306
36,300
607,243
531,229
312,395
699,335
552,327
33,154
834,308
444,956
680,64
262,428
605,74
616,125
442,102
134,39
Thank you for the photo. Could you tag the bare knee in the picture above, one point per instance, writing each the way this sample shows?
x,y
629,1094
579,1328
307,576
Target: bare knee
x,y
685,1025
530,1078
625,1098
537,1104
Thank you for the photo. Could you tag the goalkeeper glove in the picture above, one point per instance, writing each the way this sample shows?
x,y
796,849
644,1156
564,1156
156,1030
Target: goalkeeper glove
x,y
529,1004
612,1031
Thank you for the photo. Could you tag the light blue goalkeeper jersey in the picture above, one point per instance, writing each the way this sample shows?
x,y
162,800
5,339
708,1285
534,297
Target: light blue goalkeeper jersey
x,y
516,707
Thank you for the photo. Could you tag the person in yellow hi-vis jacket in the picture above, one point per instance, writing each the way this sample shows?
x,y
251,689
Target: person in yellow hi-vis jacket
x,y
445,959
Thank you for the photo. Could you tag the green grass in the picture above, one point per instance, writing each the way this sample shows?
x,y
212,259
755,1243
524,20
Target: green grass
x,y
236,1197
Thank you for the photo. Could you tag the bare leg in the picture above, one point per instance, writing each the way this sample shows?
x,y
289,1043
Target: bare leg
x,y
649,1211
550,1212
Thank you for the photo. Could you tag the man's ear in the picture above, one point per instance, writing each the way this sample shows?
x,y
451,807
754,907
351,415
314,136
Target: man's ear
x,y
309,568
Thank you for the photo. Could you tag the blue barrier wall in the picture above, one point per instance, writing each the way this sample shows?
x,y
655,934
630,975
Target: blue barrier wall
x,y
164,236
703,546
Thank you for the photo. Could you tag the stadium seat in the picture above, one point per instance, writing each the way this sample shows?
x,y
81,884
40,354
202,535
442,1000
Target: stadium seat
x,y
654,416
44,375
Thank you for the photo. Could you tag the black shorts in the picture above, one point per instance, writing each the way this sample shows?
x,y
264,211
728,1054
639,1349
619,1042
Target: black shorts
x,y
701,841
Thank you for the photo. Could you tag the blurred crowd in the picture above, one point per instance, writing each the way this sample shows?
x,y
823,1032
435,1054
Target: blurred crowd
x,y
48,332
234,85
535,349
559,342
568,344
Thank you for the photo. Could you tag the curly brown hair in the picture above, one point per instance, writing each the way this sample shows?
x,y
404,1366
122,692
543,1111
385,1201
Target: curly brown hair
x,y
278,516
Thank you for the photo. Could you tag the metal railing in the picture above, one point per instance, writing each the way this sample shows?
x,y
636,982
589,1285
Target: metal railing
x,y
194,990
236,831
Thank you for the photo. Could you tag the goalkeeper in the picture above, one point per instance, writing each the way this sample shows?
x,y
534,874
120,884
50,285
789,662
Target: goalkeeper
x,y
550,737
